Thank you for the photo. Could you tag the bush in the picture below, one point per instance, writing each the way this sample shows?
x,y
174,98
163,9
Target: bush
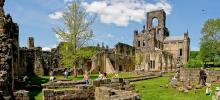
x,y
194,64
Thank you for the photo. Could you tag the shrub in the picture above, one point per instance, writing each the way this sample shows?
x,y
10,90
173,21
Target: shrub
x,y
194,64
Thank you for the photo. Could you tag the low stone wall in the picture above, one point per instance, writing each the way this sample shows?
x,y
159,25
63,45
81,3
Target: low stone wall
x,y
192,74
61,84
105,93
21,95
115,83
69,90
78,92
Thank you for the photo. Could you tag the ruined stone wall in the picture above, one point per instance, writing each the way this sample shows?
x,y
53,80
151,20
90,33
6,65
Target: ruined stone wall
x,y
157,61
161,52
97,90
35,61
27,60
180,48
192,74
21,95
79,92
8,51
121,58
105,93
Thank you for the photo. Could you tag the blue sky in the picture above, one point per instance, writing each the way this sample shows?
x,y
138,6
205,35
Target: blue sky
x,y
116,21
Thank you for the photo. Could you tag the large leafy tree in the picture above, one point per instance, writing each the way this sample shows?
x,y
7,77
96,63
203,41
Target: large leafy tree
x,y
210,41
75,33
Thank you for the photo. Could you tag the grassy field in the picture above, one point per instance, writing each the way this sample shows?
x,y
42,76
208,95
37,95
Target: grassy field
x,y
151,90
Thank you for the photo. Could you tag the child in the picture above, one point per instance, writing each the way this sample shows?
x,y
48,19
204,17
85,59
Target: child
x,y
208,89
173,82
52,76
86,78
100,76
105,76
66,73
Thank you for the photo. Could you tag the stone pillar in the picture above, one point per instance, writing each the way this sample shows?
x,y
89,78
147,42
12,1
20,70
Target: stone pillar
x,y
186,48
30,43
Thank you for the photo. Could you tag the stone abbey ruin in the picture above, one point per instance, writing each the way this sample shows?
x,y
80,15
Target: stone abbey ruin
x,y
160,52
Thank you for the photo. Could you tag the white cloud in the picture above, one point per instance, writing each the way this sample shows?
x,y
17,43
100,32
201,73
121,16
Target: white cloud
x,y
46,49
56,15
121,12
110,36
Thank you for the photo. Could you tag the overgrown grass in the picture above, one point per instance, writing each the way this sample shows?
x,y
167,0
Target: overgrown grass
x,y
152,90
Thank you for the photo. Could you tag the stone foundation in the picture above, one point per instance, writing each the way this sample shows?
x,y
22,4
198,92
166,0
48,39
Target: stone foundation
x,y
61,84
105,93
21,95
68,90
79,92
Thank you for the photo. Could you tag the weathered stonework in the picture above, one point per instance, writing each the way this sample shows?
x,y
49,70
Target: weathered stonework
x,y
110,89
21,95
35,61
79,92
120,58
160,51
9,47
104,93
192,75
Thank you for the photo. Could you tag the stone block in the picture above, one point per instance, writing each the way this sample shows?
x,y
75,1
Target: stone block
x,y
117,80
96,83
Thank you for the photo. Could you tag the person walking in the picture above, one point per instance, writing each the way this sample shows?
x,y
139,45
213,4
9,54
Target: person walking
x,y
202,76
65,73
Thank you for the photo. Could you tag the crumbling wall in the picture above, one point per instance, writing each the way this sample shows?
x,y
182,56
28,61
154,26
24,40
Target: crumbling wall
x,y
8,51
121,58
105,93
35,61
79,92
116,88
192,74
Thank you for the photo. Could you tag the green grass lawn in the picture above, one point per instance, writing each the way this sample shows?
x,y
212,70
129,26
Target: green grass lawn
x,y
37,94
214,68
151,90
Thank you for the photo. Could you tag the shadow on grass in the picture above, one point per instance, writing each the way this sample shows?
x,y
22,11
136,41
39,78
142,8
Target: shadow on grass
x,y
35,80
35,91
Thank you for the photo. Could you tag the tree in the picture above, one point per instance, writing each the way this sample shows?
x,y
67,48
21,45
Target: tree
x,y
75,33
210,41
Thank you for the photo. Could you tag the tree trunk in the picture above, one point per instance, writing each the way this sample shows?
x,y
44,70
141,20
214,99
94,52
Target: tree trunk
x,y
74,71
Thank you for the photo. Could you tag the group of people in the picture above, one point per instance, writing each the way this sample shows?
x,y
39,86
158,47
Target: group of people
x,y
208,92
52,75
